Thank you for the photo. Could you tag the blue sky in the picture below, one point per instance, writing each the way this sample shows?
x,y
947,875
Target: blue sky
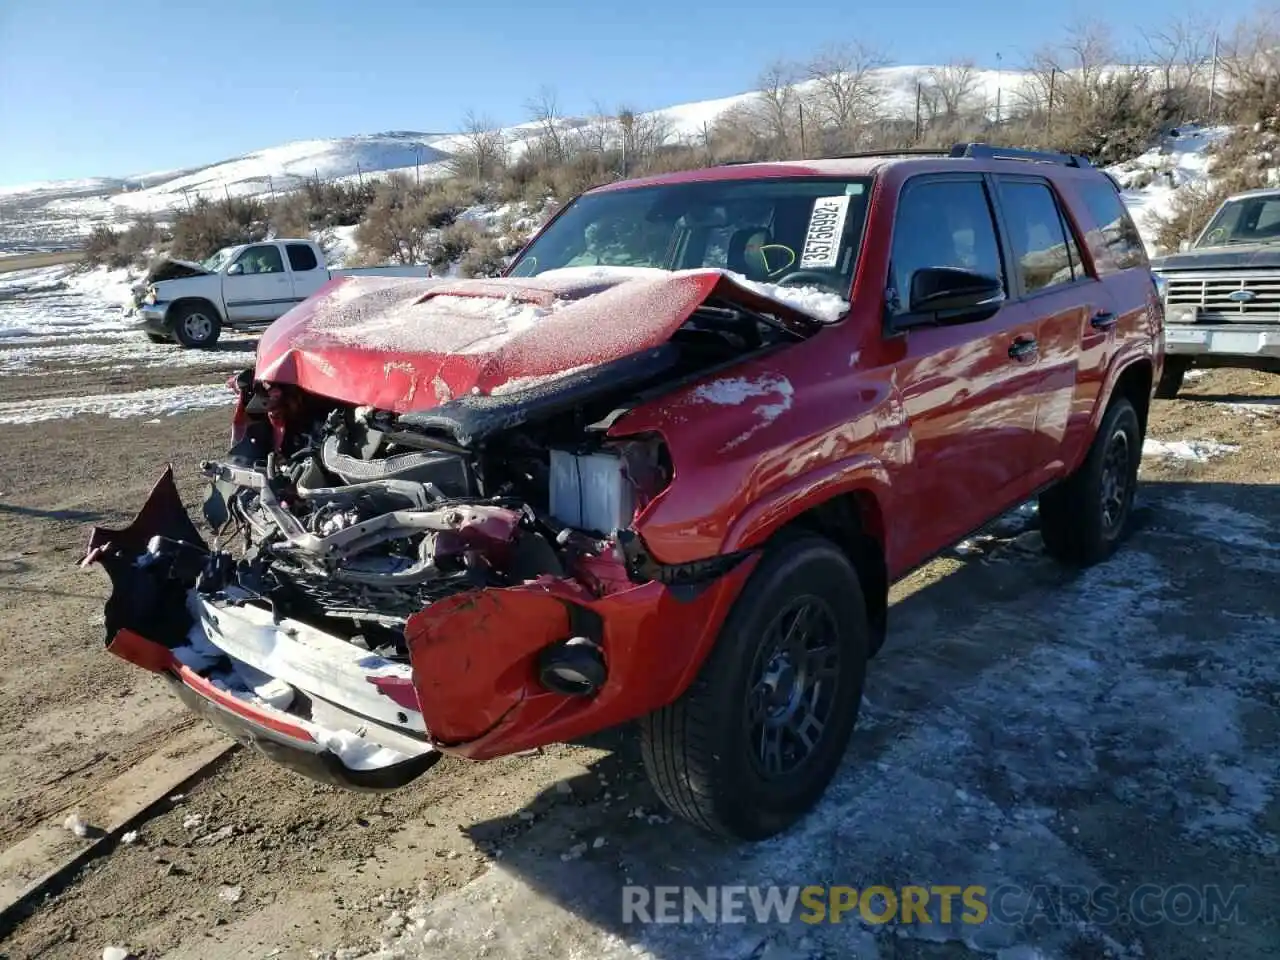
x,y
116,87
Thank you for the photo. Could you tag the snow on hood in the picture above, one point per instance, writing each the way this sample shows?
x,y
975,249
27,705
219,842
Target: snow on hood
x,y
406,345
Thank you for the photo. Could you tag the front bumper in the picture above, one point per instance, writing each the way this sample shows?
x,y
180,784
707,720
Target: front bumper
x,y
1225,340
152,318
320,705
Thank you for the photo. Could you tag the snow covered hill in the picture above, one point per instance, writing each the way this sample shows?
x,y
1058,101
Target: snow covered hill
x,y
56,214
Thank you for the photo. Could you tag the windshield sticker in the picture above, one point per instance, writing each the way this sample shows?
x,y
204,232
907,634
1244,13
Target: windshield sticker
x,y
822,242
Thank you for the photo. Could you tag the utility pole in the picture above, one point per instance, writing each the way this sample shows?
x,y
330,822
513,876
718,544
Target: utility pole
x,y
999,85
918,91
1213,76
1053,78
803,151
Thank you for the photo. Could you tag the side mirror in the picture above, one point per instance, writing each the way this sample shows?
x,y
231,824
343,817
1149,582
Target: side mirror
x,y
1184,246
952,295
235,269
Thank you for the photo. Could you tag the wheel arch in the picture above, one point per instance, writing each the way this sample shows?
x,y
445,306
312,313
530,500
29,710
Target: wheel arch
x,y
1134,382
854,522
183,302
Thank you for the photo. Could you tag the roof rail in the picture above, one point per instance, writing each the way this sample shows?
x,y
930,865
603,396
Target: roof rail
x,y
985,151
904,152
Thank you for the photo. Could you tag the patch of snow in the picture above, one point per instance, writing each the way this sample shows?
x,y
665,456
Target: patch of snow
x,y
129,837
229,893
115,953
76,824
1196,451
735,391
165,401
813,301
1179,160
600,274
1251,409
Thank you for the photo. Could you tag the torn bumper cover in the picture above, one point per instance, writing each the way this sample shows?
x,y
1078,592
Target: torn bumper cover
x,y
474,683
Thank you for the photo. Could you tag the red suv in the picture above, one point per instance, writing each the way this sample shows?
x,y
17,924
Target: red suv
x,y
663,471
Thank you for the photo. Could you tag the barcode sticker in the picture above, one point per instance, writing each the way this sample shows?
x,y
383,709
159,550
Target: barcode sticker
x,y
826,226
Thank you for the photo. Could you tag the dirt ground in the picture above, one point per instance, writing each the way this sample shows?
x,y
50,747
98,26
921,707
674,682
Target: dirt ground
x,y
1024,724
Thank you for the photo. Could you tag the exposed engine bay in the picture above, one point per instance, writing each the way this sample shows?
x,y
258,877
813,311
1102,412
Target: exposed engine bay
x,y
355,519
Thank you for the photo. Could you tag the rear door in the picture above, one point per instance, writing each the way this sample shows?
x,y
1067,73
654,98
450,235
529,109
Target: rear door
x,y
1119,260
309,274
257,288
1073,312
968,390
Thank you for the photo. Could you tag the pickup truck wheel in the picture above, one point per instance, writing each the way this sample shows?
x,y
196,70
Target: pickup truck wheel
x,y
1175,368
196,326
1083,518
752,744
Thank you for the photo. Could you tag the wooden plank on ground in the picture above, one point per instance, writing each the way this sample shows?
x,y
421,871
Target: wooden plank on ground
x,y
52,851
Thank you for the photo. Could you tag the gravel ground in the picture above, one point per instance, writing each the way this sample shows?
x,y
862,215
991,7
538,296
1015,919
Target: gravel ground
x,y
1024,725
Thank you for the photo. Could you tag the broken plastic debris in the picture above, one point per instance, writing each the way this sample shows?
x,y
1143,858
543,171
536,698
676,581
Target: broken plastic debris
x,y
76,825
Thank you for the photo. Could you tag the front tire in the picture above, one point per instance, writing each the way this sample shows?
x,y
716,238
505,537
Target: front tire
x,y
1170,382
753,743
1084,517
196,325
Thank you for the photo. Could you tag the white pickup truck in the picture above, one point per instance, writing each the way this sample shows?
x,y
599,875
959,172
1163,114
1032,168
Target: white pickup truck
x,y
245,286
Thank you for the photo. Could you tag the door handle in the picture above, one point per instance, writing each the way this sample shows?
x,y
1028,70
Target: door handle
x,y
1023,348
1103,321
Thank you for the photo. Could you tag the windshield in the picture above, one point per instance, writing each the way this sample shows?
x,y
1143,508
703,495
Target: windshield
x,y
1250,220
802,232
218,260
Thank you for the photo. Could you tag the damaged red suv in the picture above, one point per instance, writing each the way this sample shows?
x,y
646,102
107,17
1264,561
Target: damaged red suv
x,y
662,472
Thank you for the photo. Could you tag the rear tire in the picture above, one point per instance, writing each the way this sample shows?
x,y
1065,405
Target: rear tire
x,y
753,743
1084,517
196,325
1175,368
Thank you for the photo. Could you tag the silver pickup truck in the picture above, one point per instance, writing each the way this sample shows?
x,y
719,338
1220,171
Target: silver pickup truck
x,y
1222,292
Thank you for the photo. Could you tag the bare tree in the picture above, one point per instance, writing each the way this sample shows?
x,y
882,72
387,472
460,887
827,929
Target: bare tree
x,y
1086,52
1250,63
777,101
544,110
484,148
845,91
642,136
952,88
1179,54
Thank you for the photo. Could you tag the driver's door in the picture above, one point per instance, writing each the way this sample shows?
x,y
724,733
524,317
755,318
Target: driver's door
x,y
968,390
256,287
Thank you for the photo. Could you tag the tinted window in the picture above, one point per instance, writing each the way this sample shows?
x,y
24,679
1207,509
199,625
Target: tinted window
x,y
1040,241
301,257
943,223
1118,235
264,259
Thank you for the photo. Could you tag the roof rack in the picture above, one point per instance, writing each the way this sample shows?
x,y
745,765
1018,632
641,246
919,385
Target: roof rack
x,y
985,151
977,151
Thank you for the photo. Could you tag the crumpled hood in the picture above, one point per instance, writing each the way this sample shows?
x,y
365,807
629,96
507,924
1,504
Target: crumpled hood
x,y
1253,256
411,345
167,268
